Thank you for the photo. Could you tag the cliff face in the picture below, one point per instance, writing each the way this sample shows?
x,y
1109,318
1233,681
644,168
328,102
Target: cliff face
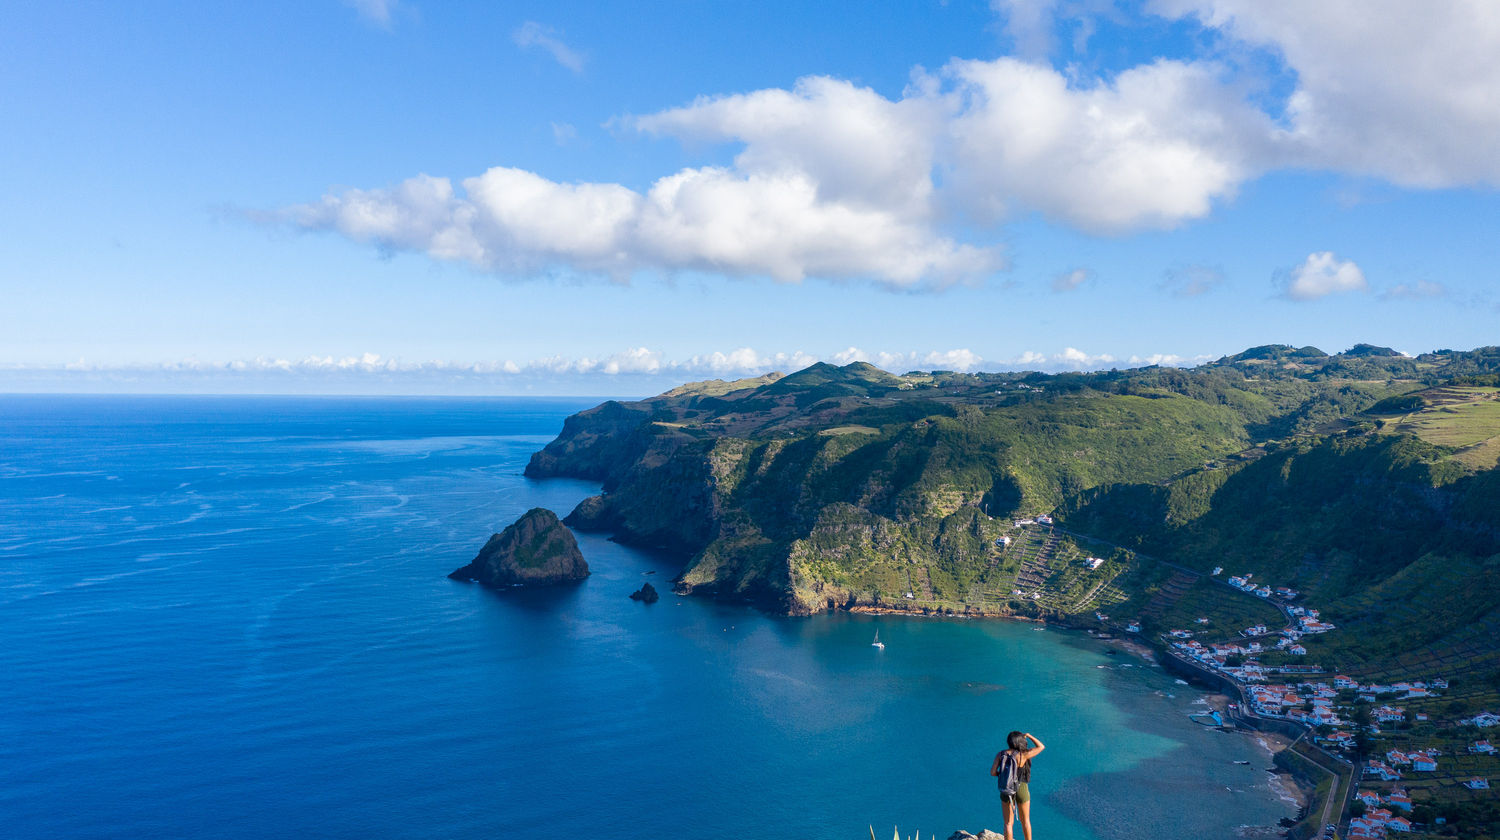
x,y
597,444
837,488
536,550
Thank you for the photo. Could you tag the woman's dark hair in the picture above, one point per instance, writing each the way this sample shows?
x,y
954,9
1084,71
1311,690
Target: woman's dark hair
x,y
1016,741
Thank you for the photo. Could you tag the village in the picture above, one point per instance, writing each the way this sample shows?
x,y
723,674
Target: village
x,y
1384,750
1391,737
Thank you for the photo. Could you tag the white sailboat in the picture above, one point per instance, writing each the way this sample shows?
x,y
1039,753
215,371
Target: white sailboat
x,y
877,643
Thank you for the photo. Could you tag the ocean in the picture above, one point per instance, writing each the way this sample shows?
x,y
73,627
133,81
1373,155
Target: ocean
x,y
230,617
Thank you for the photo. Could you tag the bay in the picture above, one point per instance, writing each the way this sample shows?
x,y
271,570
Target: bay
x,y
230,617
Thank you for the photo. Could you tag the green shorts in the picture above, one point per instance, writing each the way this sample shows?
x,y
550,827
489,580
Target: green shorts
x,y
1022,794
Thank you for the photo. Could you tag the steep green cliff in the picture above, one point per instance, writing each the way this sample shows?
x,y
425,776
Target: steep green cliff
x,y
839,487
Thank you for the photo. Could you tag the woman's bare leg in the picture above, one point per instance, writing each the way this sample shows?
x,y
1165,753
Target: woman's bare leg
x,y
1008,814
1025,809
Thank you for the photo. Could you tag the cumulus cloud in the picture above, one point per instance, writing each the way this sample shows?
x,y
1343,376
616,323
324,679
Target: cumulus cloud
x,y
1070,280
532,34
709,219
1322,274
833,180
856,145
1409,92
963,360
1153,148
1029,24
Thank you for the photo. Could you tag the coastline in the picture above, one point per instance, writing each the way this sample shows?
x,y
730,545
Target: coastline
x,y
1279,785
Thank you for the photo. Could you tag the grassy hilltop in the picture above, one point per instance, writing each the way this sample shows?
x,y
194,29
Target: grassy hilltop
x,y
1365,479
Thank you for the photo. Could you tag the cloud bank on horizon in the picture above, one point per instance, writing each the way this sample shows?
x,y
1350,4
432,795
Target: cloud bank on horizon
x,y
837,181
743,361
636,369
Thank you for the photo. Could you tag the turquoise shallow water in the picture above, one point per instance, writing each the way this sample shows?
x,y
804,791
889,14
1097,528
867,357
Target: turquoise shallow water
x,y
229,617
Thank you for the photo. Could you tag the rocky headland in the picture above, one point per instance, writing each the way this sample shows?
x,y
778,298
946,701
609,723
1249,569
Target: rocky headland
x,y
535,550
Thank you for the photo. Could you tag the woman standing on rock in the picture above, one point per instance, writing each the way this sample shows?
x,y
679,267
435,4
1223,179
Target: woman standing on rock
x,y
1013,768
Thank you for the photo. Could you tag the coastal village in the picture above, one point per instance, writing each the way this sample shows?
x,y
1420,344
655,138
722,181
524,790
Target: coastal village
x,y
1392,742
1394,739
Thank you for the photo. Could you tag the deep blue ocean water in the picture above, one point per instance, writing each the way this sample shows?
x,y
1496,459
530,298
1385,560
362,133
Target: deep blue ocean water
x,y
229,617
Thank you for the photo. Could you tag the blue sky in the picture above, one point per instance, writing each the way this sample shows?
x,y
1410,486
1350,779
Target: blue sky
x,y
609,198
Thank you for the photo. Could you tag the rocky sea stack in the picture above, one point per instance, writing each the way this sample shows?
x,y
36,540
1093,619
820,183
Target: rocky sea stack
x,y
536,550
646,593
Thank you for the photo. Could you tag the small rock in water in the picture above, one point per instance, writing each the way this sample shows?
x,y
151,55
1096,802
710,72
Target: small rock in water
x,y
647,594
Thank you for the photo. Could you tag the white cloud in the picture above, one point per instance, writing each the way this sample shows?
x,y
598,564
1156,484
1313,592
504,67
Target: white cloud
x,y
857,146
837,181
1168,360
963,359
1073,357
1029,23
377,12
709,219
635,363
1155,147
1323,274
1405,91
1070,280
533,34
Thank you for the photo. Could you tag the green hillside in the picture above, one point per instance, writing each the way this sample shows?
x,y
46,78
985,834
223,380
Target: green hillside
x,y
1358,478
